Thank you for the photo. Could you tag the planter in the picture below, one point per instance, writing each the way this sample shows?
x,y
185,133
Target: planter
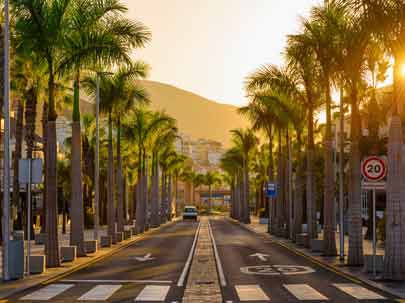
x,y
68,253
264,221
105,241
90,246
37,264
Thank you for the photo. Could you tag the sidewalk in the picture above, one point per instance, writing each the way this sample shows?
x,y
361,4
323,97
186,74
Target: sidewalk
x,y
333,263
51,274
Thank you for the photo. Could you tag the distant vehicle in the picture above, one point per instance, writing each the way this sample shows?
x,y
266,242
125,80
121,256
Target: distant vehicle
x,y
190,212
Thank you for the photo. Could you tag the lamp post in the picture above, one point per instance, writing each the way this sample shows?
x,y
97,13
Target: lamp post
x,y
341,177
6,166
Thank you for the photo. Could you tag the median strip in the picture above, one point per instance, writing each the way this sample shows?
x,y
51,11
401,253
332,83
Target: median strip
x,y
203,281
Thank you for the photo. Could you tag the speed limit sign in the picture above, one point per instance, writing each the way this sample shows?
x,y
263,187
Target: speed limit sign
x,y
373,169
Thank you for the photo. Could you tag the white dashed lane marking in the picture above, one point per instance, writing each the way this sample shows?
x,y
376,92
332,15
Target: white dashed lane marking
x,y
251,293
358,291
100,293
47,292
304,292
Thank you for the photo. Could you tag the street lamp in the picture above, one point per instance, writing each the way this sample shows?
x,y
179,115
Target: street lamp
x,y
97,158
6,180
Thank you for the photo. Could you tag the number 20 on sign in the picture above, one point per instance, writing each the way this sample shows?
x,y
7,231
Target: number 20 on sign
x,y
373,169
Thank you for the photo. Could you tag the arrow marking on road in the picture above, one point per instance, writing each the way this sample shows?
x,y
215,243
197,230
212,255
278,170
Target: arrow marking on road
x,y
147,257
261,257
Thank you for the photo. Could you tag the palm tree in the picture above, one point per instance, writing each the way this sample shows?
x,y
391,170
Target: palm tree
x,y
354,41
98,35
321,35
164,137
117,92
246,140
386,20
211,178
141,128
44,37
231,163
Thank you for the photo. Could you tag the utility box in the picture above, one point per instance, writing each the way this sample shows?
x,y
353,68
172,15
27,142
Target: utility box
x,y
16,259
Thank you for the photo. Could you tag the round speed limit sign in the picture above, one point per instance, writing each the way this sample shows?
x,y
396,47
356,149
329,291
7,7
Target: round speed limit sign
x,y
373,168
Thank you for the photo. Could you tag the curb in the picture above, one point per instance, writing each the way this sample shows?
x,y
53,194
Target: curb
x,y
74,268
325,265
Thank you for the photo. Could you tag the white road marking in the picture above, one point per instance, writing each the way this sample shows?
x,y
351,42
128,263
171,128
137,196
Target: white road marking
x,y
153,293
187,265
47,292
261,257
147,257
100,293
119,281
358,291
304,292
251,293
221,274
276,270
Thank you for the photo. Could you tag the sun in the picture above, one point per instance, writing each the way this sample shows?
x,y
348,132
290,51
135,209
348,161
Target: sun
x,y
403,70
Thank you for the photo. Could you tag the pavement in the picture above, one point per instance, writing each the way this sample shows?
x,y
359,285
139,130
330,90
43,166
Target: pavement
x,y
258,269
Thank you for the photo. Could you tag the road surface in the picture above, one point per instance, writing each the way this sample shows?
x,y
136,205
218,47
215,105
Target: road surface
x,y
258,270
148,270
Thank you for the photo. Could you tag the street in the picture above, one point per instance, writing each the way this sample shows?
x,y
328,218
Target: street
x,y
250,268
149,270
258,270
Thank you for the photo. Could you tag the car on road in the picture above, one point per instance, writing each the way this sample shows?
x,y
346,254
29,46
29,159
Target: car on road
x,y
190,212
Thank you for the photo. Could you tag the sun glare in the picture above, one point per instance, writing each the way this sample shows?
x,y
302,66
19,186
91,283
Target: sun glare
x,y
403,70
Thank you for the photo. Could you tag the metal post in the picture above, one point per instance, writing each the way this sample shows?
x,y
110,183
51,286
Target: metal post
x,y
6,166
29,215
374,236
97,173
341,178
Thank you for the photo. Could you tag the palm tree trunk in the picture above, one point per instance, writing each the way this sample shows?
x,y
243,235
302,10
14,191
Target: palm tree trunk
x,y
76,209
120,182
355,255
310,195
16,157
163,213
51,243
329,241
110,183
44,146
155,220
30,120
170,197
246,211
145,200
140,211
298,194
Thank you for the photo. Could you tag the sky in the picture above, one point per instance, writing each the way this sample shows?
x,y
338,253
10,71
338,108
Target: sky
x,y
209,46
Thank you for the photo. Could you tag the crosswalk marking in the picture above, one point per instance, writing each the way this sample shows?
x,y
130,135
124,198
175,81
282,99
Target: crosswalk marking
x,y
100,293
358,291
47,292
153,293
251,293
304,292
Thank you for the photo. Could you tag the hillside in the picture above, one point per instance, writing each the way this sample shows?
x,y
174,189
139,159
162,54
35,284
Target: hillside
x,y
196,116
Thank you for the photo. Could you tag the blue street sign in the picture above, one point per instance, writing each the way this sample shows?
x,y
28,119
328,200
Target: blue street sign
x,y
271,190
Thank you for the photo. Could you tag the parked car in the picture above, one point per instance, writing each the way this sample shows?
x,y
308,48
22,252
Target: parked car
x,y
190,212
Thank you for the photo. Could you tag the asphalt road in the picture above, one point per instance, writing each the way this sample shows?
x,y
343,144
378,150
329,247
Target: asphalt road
x,y
148,271
278,275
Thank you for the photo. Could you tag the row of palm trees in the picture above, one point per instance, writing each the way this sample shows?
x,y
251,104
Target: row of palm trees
x,y
61,48
346,46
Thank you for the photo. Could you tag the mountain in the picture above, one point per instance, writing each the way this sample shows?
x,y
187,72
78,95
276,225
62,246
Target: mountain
x,y
196,116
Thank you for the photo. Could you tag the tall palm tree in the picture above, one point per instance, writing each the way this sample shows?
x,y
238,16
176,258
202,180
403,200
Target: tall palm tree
x,y
354,39
301,59
320,33
211,178
98,35
116,93
141,128
246,140
44,37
